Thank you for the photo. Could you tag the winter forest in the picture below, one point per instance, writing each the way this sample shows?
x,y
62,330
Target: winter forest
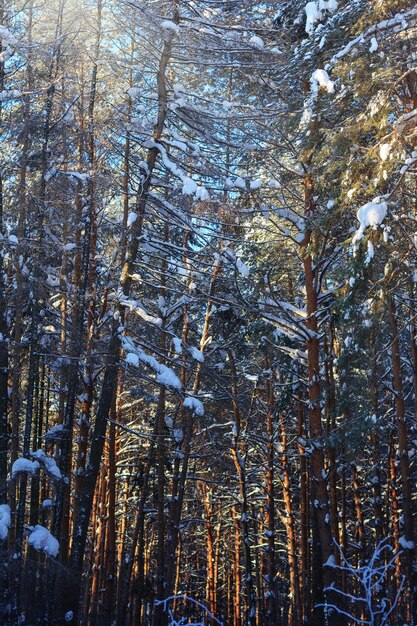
x,y
208,313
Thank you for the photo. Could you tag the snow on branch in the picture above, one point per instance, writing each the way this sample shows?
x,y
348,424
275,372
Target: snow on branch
x,y
241,267
315,12
23,465
5,521
189,186
287,319
398,22
135,306
134,355
194,405
320,77
8,43
42,540
56,432
370,214
48,463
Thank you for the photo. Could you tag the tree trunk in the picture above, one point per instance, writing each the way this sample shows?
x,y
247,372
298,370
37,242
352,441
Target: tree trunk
x,y
408,538
322,540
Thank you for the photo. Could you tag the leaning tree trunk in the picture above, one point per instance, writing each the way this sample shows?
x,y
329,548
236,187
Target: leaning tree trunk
x,y
109,383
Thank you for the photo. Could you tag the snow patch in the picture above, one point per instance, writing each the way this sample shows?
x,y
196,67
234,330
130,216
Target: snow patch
x,y
374,45
170,26
370,252
169,422
315,12
132,359
131,219
370,214
48,463
42,540
320,78
189,186
9,94
24,465
139,310
177,345
8,42
257,42
133,92
331,562
55,432
240,182
164,375
197,354
384,150
202,194
313,15
5,521
194,405
242,268
407,545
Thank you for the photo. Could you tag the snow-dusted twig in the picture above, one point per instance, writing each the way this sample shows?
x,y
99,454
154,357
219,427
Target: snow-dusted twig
x,y
182,620
370,577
